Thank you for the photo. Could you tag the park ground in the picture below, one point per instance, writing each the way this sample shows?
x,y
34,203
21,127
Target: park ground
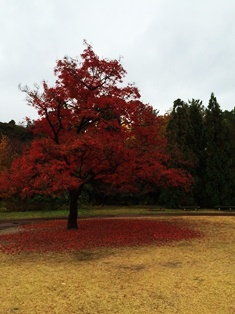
x,y
187,276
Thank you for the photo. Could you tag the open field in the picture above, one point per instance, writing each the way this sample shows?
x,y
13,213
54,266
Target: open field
x,y
186,276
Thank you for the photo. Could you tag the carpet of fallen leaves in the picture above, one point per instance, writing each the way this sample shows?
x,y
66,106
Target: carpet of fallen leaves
x,y
52,236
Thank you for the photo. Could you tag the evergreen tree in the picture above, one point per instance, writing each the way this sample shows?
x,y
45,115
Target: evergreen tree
x,y
180,136
229,117
218,157
197,145
180,133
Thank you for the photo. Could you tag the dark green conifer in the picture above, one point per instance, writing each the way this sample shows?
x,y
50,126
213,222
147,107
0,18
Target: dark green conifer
x,y
218,157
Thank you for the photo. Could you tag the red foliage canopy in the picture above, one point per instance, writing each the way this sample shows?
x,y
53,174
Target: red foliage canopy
x,y
91,127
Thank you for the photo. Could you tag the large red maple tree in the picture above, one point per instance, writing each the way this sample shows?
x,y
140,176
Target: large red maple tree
x,y
91,126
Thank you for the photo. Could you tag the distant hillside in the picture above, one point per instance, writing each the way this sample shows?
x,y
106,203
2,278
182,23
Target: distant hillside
x,y
14,131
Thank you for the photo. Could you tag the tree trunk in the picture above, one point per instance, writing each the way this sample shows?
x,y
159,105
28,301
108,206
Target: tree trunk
x,y
73,208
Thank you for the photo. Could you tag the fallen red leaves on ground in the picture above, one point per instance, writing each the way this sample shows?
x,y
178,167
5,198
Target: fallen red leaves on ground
x,y
52,236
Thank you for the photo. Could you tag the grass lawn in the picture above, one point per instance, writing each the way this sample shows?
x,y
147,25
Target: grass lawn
x,y
98,211
186,276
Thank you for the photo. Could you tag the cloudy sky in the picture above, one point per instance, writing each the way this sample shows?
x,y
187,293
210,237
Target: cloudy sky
x,y
171,48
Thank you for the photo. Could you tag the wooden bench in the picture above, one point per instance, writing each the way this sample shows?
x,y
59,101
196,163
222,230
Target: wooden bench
x,y
221,207
189,207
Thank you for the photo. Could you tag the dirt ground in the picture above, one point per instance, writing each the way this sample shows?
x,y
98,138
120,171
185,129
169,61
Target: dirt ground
x,y
195,276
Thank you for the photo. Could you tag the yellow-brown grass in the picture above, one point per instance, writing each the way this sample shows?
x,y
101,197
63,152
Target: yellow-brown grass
x,y
196,276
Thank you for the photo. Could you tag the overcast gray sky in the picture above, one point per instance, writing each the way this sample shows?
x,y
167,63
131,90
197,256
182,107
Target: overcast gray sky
x,y
171,48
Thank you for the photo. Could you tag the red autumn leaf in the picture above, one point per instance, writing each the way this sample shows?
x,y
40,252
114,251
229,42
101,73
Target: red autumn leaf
x,y
51,236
